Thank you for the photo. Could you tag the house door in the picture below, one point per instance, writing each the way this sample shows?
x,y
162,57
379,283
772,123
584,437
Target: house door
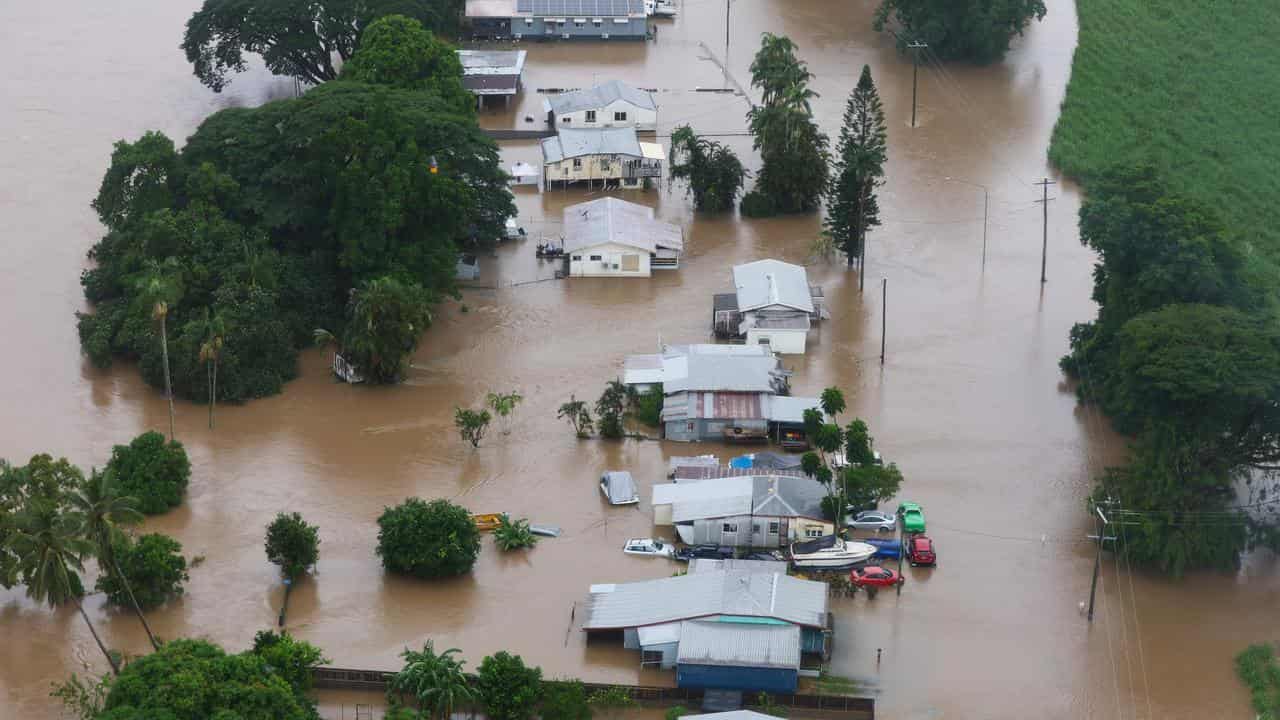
x,y
784,531
631,263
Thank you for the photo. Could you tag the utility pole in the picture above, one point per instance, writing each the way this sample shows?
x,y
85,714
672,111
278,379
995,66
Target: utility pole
x,y
1044,250
727,5
915,46
884,322
1097,558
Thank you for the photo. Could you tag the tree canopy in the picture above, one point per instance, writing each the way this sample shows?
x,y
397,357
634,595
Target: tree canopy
x,y
792,147
852,208
270,216
975,30
153,567
427,539
292,544
713,170
295,38
509,689
153,470
397,51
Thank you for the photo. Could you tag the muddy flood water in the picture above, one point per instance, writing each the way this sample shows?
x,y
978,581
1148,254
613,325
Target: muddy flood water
x,y
969,402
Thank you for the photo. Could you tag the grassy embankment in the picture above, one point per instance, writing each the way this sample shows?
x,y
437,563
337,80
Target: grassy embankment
x,y
1190,86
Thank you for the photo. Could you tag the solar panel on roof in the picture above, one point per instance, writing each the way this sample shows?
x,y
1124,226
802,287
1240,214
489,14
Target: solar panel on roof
x,y
596,8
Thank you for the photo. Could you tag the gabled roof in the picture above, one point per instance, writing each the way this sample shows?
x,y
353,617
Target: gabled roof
x,y
739,645
772,282
610,220
706,595
723,372
761,495
578,142
788,409
781,496
492,62
598,97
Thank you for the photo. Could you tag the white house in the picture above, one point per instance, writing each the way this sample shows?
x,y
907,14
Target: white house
x,y
772,304
613,156
613,104
609,237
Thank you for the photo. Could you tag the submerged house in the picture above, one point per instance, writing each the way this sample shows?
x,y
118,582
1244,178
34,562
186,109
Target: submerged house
x,y
612,104
557,19
772,304
609,237
737,628
613,156
649,370
759,511
492,73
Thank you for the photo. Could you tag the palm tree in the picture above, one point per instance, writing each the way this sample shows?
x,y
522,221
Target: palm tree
x,y
50,546
436,681
214,330
103,512
159,288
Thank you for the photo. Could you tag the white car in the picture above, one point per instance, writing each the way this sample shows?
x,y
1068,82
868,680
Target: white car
x,y
874,520
649,546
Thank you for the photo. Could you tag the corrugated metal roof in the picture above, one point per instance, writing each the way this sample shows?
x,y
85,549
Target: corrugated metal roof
x,y
726,592
797,321
716,506
669,493
712,472
698,565
791,409
782,496
739,645
492,62
610,220
771,282
579,142
730,406
774,494
740,373
588,8
659,634
600,96
620,486
730,715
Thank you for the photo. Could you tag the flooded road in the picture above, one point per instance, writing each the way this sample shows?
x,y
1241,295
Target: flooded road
x,y
969,403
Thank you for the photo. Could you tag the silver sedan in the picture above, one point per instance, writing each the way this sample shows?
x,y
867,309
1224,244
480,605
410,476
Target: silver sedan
x,y
874,520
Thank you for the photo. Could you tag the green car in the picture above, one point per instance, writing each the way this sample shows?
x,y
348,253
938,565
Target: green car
x,y
912,517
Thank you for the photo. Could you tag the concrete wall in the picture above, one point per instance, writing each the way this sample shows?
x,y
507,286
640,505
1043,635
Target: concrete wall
x,y
639,118
783,342
609,255
776,680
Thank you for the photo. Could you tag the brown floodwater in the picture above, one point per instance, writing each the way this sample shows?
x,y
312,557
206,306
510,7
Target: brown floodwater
x,y
969,402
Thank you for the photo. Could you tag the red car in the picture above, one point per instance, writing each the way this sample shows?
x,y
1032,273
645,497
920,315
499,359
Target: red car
x,y
874,576
920,551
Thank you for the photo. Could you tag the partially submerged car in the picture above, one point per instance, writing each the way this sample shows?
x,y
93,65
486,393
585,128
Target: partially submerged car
x,y
912,517
920,551
874,576
877,520
701,552
648,546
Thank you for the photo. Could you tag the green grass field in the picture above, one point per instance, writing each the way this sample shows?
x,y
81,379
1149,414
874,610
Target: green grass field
x,y
1190,85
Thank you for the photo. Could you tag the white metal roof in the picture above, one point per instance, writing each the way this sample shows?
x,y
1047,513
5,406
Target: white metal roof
x,y
669,493
723,372
739,645
492,62
791,409
600,96
610,220
697,565
771,282
659,634
577,142
730,715
761,495
710,594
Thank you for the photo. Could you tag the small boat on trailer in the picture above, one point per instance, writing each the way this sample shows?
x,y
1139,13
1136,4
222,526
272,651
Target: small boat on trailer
x,y
830,551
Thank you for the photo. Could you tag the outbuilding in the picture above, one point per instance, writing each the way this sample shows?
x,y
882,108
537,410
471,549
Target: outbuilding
x,y
557,19
611,104
492,73
609,237
731,656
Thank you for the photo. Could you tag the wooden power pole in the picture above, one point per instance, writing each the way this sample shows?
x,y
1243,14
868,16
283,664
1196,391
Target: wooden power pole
x,y
1044,250
915,47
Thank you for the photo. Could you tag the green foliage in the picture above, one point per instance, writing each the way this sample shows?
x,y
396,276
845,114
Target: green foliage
x,y
675,713
866,486
564,700
513,534
1133,59
1257,668
296,38
844,461
508,689
152,470
578,415
792,147
195,680
714,172
436,682
832,401
385,321
611,701
270,216
397,51
504,406
610,408
471,424
289,658
976,30
767,706
292,544
82,699
852,208
649,406
427,539
153,566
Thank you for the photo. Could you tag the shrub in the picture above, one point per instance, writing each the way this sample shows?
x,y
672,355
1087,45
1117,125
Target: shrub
x,y
152,470
289,658
513,534
564,700
153,566
292,544
756,204
427,539
508,689
649,407
676,712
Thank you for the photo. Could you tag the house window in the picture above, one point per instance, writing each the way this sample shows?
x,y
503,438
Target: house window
x,y
813,532
577,23
604,164
591,116
577,164
528,21
566,120
620,116
689,427
755,529
773,528
595,258
650,657
763,341
595,21
577,258
729,527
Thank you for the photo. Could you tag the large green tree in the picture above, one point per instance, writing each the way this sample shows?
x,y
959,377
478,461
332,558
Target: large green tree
x,y
793,149
296,38
151,470
385,321
434,680
509,689
427,539
292,544
398,51
151,571
852,208
712,170
975,30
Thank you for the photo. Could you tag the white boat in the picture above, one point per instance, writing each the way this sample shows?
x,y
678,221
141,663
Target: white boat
x,y
660,8
830,551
